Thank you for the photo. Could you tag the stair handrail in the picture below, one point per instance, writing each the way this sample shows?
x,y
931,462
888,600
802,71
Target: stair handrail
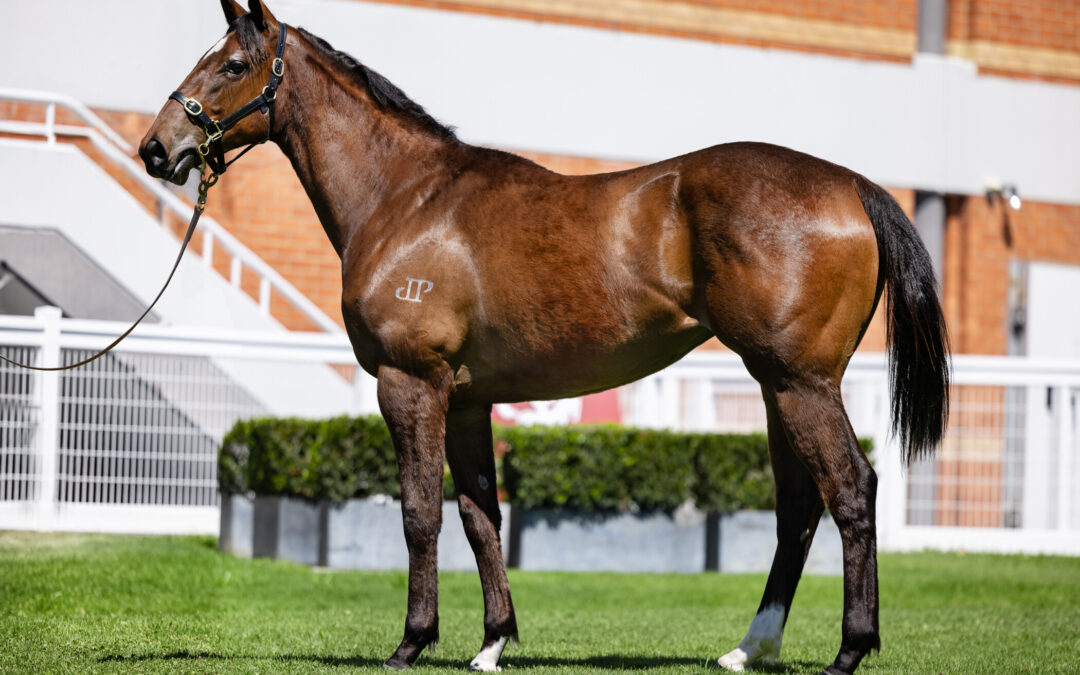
x,y
112,145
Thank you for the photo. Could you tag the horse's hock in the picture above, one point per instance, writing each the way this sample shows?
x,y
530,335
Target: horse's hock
x,y
367,534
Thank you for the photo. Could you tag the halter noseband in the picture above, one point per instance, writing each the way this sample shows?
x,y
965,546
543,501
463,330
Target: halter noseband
x,y
211,150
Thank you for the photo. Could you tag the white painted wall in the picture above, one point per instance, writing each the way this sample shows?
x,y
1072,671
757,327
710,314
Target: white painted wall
x,y
1053,319
934,124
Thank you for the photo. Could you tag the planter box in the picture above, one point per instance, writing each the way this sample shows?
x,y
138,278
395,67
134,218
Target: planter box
x,y
558,539
237,525
368,534
287,528
748,541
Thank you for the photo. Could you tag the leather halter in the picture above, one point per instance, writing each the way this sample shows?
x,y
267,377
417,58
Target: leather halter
x,y
211,150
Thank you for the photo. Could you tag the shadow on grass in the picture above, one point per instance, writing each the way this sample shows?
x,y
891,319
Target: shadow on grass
x,y
605,662
183,655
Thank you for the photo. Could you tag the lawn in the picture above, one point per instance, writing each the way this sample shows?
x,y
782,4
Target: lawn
x,y
78,603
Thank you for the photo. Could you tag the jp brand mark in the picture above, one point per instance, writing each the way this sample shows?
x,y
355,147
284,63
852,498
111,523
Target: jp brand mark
x,y
412,291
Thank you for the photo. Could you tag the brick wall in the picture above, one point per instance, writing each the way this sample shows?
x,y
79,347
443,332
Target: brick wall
x,y
981,239
1017,38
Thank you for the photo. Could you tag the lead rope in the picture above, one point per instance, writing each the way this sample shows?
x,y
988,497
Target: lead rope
x,y
205,183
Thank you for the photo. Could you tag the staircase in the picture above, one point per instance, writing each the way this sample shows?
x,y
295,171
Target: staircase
x,y
51,187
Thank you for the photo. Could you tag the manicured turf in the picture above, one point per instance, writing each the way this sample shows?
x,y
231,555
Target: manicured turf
x,y
77,603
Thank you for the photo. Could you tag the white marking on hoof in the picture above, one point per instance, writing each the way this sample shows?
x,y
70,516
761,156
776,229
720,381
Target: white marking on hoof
x,y
762,641
487,661
735,660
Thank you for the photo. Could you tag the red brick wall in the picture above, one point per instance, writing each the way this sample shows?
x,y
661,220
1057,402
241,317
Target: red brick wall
x,y
1047,24
981,240
1017,38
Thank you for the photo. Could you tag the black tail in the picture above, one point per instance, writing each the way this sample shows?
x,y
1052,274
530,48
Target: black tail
x,y
918,343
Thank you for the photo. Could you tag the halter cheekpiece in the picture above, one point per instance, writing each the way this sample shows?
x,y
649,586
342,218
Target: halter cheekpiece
x,y
211,150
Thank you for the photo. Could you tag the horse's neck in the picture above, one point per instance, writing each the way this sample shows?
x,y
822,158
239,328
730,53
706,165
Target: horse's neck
x,y
350,157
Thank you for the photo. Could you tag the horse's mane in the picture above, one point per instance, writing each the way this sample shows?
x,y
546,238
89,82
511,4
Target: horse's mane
x,y
384,92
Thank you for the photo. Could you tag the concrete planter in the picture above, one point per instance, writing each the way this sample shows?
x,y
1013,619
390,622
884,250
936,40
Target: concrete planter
x,y
287,528
561,539
237,525
747,541
368,534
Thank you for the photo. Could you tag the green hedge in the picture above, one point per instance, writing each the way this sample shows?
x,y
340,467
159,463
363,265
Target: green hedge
x,y
335,459
591,468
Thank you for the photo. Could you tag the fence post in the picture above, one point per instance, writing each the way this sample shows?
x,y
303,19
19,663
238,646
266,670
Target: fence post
x,y
49,419
1064,450
892,485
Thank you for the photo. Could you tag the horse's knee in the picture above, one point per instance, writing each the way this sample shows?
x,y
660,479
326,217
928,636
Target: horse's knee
x,y
422,525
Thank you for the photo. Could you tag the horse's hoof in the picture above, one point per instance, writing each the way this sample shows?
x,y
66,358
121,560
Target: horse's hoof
x,y
487,661
394,663
734,661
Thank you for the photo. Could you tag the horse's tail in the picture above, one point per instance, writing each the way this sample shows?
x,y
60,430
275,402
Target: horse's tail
x,y
918,343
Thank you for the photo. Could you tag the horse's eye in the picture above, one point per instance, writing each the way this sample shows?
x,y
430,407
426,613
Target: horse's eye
x,y
236,67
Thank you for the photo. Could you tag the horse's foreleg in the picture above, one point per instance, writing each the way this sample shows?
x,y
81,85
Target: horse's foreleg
x,y
415,412
812,413
472,463
798,510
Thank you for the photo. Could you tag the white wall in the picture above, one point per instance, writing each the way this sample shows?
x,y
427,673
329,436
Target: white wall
x,y
934,124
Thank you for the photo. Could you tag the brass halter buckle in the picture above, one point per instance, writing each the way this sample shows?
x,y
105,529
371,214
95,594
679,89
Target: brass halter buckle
x,y
193,107
212,135
277,67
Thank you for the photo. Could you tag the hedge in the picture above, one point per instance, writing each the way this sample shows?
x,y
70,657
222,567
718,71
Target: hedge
x,y
602,468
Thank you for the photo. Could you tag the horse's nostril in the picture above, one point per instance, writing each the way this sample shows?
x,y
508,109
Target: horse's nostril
x,y
154,156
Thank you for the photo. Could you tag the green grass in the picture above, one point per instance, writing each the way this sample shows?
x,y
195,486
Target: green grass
x,y
78,603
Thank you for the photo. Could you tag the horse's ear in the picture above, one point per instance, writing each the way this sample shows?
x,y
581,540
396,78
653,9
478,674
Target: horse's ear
x,y
232,9
260,13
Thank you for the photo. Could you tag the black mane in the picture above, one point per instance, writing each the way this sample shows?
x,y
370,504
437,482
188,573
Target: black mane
x,y
384,92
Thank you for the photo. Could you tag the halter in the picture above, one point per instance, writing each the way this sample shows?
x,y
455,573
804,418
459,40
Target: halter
x,y
211,150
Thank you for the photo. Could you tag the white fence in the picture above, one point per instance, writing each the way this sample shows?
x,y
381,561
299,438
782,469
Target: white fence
x,y
129,443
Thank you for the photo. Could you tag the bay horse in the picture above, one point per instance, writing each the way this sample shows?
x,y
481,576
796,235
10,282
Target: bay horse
x,y
473,276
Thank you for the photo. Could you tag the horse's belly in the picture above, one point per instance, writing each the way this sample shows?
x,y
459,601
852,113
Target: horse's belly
x,y
510,374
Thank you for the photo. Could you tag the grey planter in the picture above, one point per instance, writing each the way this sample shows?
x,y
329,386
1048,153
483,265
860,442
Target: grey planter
x,y
748,541
552,539
237,526
287,528
368,534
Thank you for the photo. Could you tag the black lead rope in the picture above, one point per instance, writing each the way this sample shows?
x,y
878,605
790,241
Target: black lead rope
x,y
212,155
204,186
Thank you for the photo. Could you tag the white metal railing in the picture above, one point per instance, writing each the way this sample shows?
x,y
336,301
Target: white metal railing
x,y
117,445
113,146
129,442
1004,479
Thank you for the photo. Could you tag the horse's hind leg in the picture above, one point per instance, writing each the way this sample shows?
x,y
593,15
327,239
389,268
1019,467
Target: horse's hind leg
x,y
415,411
798,510
811,411
472,464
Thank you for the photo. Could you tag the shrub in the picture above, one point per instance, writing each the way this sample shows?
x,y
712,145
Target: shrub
x,y
603,468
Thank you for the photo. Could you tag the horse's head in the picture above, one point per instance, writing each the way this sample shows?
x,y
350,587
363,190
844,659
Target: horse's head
x,y
229,75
